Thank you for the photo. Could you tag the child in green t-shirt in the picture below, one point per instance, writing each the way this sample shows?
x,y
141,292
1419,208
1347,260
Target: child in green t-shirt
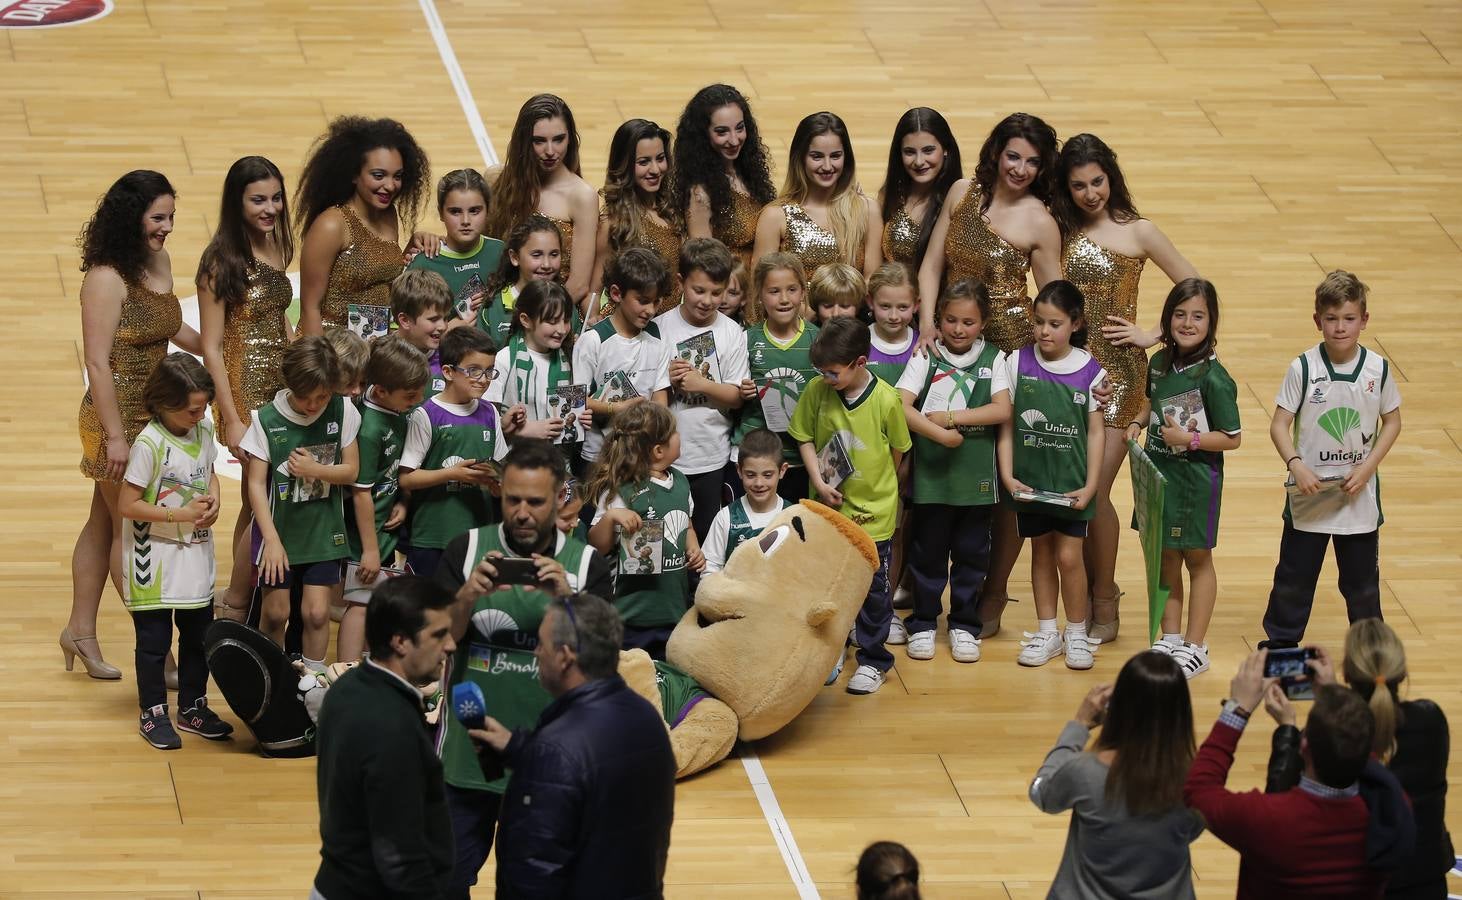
x,y
534,253
851,433
397,373
467,260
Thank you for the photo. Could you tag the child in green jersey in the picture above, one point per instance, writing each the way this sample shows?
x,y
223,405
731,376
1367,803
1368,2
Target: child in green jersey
x,y
535,369
534,253
397,373
778,355
302,453
850,430
169,500
467,260
837,290
643,519
1191,417
1052,469
952,412
420,303
760,467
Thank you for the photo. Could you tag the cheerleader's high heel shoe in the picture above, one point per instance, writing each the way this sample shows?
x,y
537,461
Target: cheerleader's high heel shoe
x,y
96,668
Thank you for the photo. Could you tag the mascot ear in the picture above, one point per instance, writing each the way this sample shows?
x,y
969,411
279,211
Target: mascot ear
x,y
820,613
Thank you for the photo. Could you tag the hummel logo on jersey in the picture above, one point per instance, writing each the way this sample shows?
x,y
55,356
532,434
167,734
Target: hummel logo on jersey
x,y
279,428
1319,378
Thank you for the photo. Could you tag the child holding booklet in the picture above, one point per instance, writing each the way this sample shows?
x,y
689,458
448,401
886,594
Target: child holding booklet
x,y
851,433
1191,417
642,516
1051,468
534,370
1338,415
952,413
169,501
761,467
467,259
779,362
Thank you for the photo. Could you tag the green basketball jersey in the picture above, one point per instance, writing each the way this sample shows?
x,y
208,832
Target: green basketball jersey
x,y
381,438
963,475
1050,430
649,601
440,513
308,514
496,653
679,693
496,315
780,372
465,273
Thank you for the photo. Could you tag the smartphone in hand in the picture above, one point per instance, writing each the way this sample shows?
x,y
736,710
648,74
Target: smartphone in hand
x,y
515,570
1291,667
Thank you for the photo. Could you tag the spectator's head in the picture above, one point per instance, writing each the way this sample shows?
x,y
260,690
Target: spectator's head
x,y
888,871
533,475
1149,723
409,627
578,642
1337,737
1375,667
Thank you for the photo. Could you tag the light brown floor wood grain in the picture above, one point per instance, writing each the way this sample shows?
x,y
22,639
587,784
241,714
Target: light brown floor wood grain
x,y
1271,139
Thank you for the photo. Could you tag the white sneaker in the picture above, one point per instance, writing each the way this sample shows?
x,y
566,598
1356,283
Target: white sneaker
x,y
921,645
1192,659
1079,650
1039,648
897,634
963,646
866,680
1164,646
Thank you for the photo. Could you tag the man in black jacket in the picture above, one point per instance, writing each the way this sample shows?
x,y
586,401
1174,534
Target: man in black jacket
x,y
587,812
384,827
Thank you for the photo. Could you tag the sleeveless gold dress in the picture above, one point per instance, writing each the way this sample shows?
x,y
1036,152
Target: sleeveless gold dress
x,y
973,250
254,339
901,240
362,273
149,319
566,233
1108,281
738,233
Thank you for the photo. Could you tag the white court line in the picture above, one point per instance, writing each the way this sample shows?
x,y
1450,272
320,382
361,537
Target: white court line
x,y
781,831
459,83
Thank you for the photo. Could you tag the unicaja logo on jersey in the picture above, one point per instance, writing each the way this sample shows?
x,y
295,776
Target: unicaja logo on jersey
x,y
1036,420
50,13
1338,423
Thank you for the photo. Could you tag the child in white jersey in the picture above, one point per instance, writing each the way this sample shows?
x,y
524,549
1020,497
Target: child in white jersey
x,y
534,369
1338,414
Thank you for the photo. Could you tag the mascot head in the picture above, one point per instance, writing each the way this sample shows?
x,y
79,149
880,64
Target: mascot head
x,y
767,629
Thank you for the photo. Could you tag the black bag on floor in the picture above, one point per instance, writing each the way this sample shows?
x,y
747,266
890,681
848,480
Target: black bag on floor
x,y
261,687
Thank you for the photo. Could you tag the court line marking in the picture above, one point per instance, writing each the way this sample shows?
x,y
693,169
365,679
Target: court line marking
x,y
459,83
771,810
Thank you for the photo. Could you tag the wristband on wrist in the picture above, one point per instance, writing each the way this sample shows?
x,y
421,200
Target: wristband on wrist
x,y
1137,423
1290,460
1193,444
170,515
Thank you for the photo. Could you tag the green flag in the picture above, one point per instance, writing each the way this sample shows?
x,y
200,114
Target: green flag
x,y
1147,499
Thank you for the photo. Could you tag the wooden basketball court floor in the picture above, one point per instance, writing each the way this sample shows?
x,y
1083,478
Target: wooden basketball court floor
x,y
1272,139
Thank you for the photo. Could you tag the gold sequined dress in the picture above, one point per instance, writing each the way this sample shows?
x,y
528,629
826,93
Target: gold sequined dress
x,y
254,339
738,233
810,242
901,240
1108,281
149,319
362,273
973,250
566,235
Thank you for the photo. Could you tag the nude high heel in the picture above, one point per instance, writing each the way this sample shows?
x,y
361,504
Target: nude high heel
x,y
96,668
1104,608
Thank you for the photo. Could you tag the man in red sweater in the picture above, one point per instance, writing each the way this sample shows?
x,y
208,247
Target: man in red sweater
x,y
1336,835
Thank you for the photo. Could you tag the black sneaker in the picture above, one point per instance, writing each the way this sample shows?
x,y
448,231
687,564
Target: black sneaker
x,y
1277,645
157,729
204,722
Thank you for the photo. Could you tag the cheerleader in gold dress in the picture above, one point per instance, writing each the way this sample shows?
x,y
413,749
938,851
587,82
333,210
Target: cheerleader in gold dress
x,y
721,177
363,181
638,210
821,216
923,163
243,297
1105,246
541,174
128,315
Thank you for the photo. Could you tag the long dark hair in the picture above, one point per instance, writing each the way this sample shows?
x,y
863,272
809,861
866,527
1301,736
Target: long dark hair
x,y
1183,291
698,163
897,183
226,260
1149,724
546,301
516,190
334,163
1066,297
1078,151
113,236
1040,136
507,273
887,871
622,201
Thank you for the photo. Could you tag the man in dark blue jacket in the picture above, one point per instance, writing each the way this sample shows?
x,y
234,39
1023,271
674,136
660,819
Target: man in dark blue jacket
x,y
587,812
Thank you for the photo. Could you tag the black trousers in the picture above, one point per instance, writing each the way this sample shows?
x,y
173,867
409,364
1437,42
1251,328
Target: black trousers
x,y
705,491
474,822
154,630
948,545
1301,554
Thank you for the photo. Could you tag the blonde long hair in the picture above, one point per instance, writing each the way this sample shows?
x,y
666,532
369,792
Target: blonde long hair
x,y
625,458
1375,668
846,210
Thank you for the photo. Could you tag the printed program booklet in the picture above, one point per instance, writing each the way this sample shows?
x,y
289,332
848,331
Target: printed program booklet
x,y
642,552
778,398
1187,410
1051,497
362,592
950,391
566,402
617,386
368,321
700,351
833,462
462,304
306,489
175,494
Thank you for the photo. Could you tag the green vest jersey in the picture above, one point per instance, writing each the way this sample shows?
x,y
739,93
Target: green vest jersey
x,y
741,529
496,654
440,513
679,693
1050,431
308,514
780,372
465,273
963,475
381,438
650,601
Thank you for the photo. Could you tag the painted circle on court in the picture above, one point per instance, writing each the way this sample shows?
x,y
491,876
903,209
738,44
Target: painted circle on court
x,y
50,13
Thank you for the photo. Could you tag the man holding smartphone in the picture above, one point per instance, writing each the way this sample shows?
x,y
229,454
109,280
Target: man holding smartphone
x,y
503,577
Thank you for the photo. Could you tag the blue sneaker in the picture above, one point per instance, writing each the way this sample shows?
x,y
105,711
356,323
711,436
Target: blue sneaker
x,y
204,722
